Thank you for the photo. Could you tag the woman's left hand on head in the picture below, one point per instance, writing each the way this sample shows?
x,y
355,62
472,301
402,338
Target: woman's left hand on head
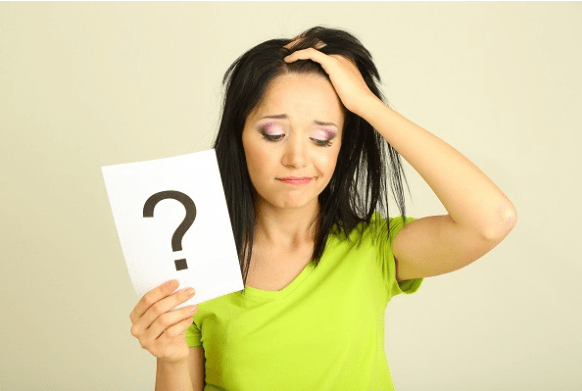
x,y
344,75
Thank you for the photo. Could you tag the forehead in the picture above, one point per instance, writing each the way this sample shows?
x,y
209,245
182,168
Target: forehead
x,y
301,96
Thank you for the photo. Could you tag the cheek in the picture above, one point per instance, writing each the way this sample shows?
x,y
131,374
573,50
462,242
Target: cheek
x,y
328,161
257,158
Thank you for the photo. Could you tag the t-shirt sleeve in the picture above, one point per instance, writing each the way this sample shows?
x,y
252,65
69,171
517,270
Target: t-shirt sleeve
x,y
394,287
193,335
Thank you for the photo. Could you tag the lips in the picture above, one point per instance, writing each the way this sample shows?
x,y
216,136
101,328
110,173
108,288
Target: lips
x,y
296,181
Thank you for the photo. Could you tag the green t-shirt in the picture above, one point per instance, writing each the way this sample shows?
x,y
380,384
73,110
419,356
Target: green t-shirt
x,y
323,331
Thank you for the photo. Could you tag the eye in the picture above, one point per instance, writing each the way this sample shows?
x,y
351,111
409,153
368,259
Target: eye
x,y
273,137
270,131
321,143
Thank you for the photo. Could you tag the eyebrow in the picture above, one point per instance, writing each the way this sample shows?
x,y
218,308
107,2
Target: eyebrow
x,y
285,116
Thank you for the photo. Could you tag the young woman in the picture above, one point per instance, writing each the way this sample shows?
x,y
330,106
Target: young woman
x,y
302,148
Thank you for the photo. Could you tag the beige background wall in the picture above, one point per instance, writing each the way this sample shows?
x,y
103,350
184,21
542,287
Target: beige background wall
x,y
83,85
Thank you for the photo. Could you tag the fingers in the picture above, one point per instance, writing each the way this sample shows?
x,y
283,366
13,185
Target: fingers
x,y
157,318
159,313
305,54
170,324
172,332
152,297
326,60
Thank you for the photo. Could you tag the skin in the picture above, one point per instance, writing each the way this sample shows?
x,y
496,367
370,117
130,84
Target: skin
x,y
286,213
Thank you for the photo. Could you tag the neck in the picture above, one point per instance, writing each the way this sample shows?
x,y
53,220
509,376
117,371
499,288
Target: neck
x,y
286,229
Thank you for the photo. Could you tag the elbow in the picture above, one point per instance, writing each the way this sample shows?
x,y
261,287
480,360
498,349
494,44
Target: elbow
x,y
506,220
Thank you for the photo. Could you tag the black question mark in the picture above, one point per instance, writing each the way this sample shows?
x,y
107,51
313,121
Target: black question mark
x,y
148,211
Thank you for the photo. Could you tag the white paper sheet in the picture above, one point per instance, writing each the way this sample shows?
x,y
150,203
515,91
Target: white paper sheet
x,y
212,266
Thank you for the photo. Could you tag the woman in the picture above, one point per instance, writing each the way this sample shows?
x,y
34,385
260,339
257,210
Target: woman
x,y
302,149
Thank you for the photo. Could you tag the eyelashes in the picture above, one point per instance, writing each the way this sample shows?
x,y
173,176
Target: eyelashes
x,y
279,137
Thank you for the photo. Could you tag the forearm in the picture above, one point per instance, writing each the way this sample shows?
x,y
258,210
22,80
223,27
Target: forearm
x,y
173,377
471,198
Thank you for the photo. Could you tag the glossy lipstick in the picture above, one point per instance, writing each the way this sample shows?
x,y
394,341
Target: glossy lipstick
x,y
295,180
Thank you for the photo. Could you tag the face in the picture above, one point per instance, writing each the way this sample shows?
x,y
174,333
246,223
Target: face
x,y
296,132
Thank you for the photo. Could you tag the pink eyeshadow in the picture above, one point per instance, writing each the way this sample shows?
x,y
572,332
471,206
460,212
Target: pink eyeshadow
x,y
324,134
271,127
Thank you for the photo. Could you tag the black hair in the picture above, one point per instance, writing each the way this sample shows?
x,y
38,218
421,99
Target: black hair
x,y
358,185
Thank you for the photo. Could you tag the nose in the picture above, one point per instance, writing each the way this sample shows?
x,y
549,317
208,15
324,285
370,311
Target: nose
x,y
296,152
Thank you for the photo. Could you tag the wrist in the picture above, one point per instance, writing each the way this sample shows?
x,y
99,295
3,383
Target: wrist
x,y
172,362
367,105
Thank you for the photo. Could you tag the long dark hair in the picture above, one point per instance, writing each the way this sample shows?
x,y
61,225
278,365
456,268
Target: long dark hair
x,y
358,186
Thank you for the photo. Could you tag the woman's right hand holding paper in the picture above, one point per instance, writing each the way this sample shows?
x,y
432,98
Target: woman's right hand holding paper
x,y
159,330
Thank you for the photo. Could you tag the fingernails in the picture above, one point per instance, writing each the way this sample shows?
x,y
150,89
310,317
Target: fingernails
x,y
172,284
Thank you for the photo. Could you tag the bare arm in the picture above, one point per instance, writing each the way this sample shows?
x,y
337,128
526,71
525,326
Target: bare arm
x,y
173,376
185,375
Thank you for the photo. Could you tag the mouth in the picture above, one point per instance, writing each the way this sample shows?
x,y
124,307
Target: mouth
x,y
295,180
